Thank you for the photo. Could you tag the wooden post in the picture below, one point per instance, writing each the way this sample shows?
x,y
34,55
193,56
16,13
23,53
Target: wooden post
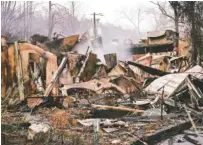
x,y
83,66
162,103
111,60
55,77
19,71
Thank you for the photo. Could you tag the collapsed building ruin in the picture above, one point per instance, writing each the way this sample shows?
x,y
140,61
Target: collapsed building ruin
x,y
139,99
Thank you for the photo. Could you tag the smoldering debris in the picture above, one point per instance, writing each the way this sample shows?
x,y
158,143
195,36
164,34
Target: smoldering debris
x,y
87,99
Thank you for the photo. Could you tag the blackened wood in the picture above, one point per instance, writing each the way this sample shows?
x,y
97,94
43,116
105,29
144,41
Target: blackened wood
x,y
111,60
148,69
19,71
164,134
55,76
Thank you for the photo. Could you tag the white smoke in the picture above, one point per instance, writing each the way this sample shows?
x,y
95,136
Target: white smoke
x,y
122,51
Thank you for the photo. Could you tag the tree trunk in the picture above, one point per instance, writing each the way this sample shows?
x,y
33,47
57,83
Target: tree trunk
x,y
138,22
50,20
73,6
177,31
198,37
30,19
24,23
193,34
28,22
176,26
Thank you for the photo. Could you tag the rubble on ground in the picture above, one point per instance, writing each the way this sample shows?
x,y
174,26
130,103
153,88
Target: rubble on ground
x,y
51,94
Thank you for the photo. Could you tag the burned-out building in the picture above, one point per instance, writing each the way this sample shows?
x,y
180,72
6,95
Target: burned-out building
x,y
155,42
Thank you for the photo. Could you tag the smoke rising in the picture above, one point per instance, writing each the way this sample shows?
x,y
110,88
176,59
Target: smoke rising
x,y
122,51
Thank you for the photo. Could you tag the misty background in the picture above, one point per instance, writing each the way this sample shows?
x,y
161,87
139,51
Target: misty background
x,y
119,21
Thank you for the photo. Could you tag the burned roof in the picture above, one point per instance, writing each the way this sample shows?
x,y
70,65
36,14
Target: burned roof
x,y
155,34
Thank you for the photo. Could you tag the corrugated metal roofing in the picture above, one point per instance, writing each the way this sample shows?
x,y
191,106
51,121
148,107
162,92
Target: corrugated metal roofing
x,y
196,71
172,81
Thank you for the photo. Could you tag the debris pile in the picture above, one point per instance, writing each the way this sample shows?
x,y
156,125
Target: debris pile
x,y
52,94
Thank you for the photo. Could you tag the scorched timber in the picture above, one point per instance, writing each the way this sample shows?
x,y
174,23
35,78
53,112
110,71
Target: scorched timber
x,y
163,134
19,71
103,111
149,70
55,76
111,60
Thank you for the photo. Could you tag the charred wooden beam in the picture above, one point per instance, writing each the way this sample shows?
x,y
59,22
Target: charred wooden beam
x,y
192,122
55,77
148,69
148,118
19,71
193,141
194,90
83,66
103,111
197,114
163,134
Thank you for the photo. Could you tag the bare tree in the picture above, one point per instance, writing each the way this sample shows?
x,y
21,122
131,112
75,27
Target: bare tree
x,y
17,19
161,22
68,17
176,16
27,19
134,17
50,22
74,12
193,15
73,8
11,13
29,15
176,12
65,17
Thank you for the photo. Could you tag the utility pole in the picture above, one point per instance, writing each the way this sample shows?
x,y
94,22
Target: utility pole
x,y
94,20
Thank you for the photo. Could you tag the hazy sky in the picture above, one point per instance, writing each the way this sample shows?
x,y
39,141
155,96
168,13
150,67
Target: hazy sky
x,y
111,11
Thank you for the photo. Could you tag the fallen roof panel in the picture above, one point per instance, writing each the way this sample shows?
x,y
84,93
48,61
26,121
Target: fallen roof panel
x,y
172,81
